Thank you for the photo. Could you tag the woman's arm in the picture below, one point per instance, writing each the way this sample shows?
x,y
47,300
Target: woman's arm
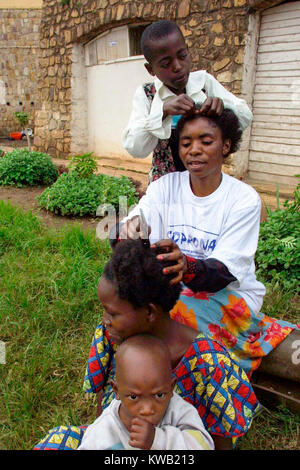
x,y
209,275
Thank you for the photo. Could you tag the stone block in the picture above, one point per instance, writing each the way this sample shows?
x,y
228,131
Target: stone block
x,y
240,3
225,77
219,41
239,58
221,64
186,32
183,9
120,11
217,28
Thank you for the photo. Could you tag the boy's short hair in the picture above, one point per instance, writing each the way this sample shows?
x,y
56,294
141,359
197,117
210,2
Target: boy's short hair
x,y
154,32
147,344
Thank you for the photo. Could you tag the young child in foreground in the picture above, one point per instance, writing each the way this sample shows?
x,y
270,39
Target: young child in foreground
x,y
146,413
157,106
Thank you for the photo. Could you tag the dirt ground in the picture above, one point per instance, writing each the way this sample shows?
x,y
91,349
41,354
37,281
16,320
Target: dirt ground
x,y
26,199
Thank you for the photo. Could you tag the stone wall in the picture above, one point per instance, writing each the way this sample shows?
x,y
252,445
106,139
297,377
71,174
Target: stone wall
x,y
19,63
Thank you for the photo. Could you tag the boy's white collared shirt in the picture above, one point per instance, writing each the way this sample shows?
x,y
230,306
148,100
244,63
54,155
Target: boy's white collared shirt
x,y
146,125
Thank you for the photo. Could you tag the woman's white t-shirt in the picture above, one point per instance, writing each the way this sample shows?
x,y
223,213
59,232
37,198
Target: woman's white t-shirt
x,y
223,225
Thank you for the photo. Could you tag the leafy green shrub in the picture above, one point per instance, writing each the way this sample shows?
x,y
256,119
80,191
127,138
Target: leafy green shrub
x,y
84,165
72,195
21,167
22,118
277,256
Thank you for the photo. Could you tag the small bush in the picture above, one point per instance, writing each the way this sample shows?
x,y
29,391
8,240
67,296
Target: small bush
x,y
72,195
84,165
21,167
277,256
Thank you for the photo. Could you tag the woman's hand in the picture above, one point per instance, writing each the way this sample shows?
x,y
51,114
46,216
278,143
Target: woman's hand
x,y
171,252
134,229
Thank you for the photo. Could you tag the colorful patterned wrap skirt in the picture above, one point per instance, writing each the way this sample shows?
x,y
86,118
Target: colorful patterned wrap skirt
x,y
226,317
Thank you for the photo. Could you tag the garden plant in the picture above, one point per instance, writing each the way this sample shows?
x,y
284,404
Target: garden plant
x,y
277,256
80,192
23,119
23,168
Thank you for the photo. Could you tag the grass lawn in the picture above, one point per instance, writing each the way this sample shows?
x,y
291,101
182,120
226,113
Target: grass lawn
x,y
48,313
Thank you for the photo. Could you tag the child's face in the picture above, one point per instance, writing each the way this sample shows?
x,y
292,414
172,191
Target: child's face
x,y
145,388
171,62
201,148
120,318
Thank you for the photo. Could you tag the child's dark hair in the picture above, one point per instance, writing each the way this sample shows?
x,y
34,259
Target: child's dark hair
x,y
138,276
227,122
154,32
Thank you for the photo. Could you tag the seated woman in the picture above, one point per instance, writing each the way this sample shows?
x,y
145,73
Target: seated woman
x,y
137,297
208,222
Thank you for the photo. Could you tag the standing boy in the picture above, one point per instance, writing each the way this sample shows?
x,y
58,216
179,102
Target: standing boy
x,y
157,106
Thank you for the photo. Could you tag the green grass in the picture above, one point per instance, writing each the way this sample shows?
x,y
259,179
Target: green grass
x,y
273,430
48,313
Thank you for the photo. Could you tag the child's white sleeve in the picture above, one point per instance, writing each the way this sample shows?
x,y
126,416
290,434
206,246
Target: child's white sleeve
x,y
145,126
183,430
237,105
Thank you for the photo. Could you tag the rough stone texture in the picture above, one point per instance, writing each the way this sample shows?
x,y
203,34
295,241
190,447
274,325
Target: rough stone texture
x,y
19,63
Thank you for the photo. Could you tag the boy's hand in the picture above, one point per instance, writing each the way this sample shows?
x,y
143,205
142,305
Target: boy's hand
x,y
141,434
181,104
212,107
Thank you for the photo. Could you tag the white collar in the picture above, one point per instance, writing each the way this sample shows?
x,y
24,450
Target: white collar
x,y
194,85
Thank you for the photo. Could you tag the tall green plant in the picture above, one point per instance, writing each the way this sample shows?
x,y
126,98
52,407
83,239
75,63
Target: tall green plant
x,y
84,165
277,256
23,119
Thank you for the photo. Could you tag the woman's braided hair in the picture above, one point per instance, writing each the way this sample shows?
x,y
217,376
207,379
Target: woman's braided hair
x,y
138,276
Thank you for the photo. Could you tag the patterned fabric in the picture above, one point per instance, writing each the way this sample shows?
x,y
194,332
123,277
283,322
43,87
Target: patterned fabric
x,y
62,438
226,317
101,366
207,377
162,160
